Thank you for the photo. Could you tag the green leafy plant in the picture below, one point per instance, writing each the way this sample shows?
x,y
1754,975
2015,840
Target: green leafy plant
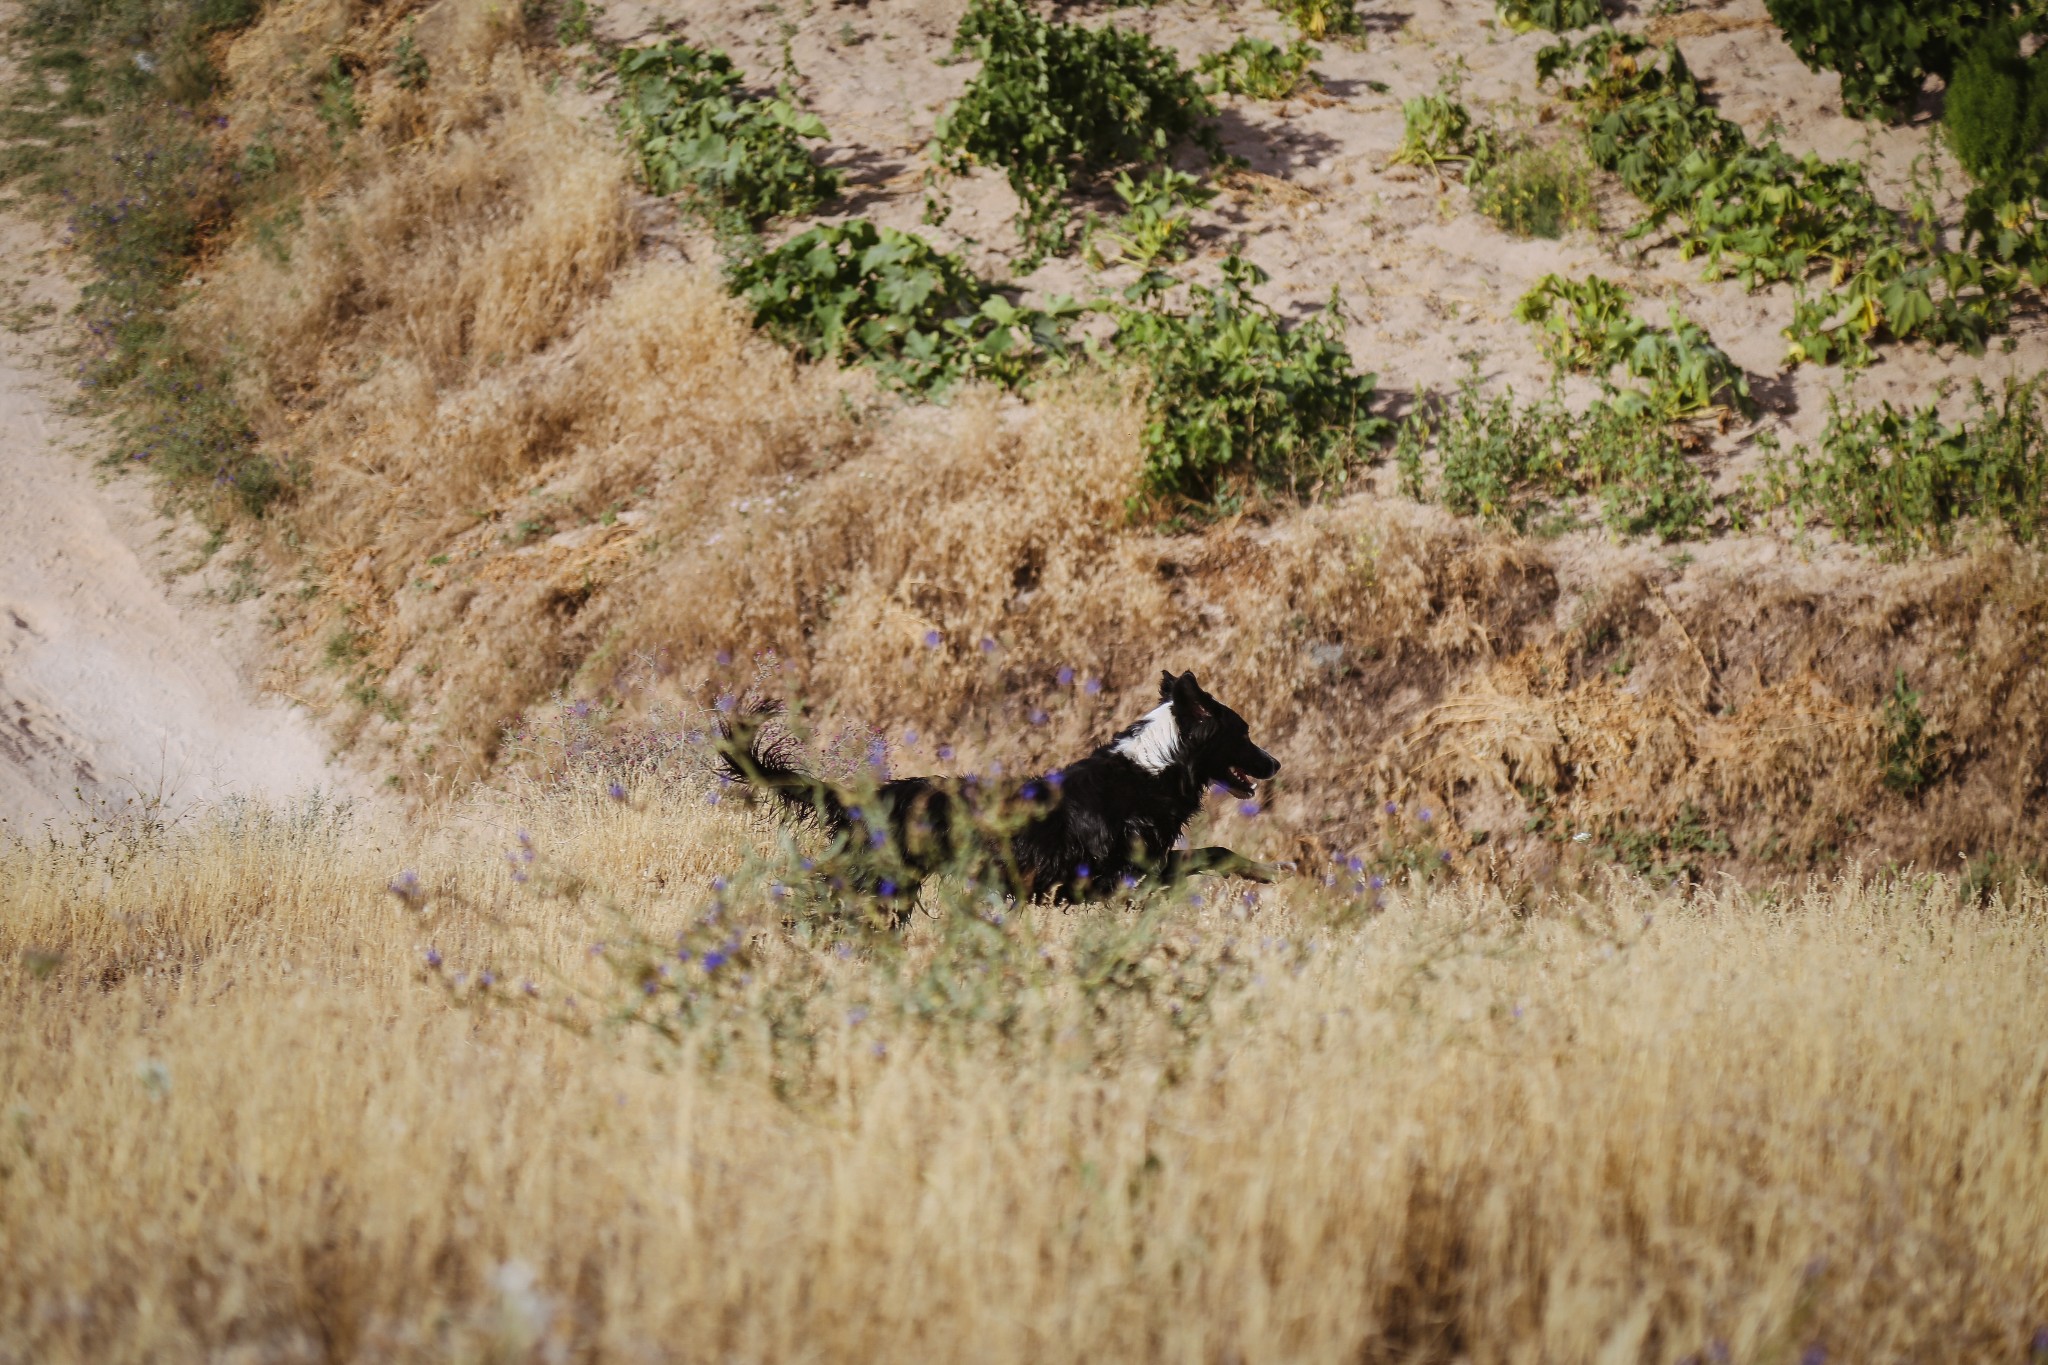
x,y
1055,104
1912,761
862,293
1438,130
1153,226
1901,479
1261,69
1884,50
336,105
1586,325
1996,109
1763,215
1521,465
738,158
1538,191
1321,18
1555,15
1239,403
408,63
1666,854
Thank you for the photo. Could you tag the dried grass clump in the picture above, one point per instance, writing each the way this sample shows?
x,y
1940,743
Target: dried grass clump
x,y
244,1121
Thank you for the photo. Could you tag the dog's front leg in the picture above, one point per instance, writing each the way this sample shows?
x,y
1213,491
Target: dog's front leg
x,y
1222,862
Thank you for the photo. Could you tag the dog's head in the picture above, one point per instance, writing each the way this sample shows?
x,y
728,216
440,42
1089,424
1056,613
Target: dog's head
x,y
1207,738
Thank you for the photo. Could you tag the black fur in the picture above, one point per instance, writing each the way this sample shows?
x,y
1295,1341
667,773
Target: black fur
x,y
1081,833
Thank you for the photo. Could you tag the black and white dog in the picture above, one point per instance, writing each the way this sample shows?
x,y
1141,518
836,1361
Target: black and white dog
x,y
1078,834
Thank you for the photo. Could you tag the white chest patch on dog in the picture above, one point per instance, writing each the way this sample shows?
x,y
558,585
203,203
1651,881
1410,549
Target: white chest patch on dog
x,y
1154,742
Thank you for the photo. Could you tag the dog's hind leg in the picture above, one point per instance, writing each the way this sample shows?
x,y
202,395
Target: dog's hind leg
x,y
1221,862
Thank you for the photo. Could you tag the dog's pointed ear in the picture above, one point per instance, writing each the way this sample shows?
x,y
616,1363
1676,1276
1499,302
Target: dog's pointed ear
x,y
1167,682
1188,698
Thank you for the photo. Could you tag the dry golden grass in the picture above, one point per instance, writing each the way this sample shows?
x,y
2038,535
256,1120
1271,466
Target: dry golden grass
x,y
243,1124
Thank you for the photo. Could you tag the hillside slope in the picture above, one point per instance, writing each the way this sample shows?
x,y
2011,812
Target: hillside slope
x,y
542,457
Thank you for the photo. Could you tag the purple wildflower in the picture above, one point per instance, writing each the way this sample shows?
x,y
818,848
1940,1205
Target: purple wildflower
x,y
932,639
945,753
713,960
406,886
1393,808
1092,686
1377,882
724,657
1065,676
434,958
1247,808
1423,815
886,887
988,646
616,791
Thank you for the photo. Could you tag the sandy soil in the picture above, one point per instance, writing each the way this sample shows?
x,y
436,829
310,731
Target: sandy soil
x,y
125,681
1428,283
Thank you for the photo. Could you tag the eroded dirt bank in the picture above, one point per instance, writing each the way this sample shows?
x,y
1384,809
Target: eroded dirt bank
x,y
121,685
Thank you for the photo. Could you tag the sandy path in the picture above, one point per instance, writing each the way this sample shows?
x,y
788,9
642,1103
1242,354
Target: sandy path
x,y
120,685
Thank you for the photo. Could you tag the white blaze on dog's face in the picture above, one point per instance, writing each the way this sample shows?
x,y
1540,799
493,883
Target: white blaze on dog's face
x,y
1154,742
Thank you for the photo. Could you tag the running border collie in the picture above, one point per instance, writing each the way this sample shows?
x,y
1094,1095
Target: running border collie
x,y
1109,821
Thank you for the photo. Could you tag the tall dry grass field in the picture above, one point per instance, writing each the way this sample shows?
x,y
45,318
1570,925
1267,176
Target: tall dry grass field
x,y
245,1121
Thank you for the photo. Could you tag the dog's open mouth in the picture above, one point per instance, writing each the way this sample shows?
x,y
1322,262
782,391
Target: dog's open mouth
x,y
1238,783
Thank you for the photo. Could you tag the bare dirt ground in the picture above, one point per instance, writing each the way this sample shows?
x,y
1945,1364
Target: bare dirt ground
x,y
125,682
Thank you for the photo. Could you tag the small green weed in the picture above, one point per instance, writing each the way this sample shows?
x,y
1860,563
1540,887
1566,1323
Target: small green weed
x,y
1058,103
1153,226
578,23
1586,326
1556,15
1239,403
1521,465
408,63
1901,479
889,300
738,159
1538,191
337,102
1437,131
1321,18
1912,761
1663,855
1261,69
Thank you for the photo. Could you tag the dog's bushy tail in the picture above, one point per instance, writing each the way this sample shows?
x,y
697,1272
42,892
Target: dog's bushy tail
x,y
761,761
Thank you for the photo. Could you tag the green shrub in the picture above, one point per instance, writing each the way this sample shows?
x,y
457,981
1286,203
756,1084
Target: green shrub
x,y
1240,403
1996,111
1057,103
1555,15
1884,50
1518,465
1763,215
861,293
1586,326
740,160
1260,69
1538,191
1901,479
